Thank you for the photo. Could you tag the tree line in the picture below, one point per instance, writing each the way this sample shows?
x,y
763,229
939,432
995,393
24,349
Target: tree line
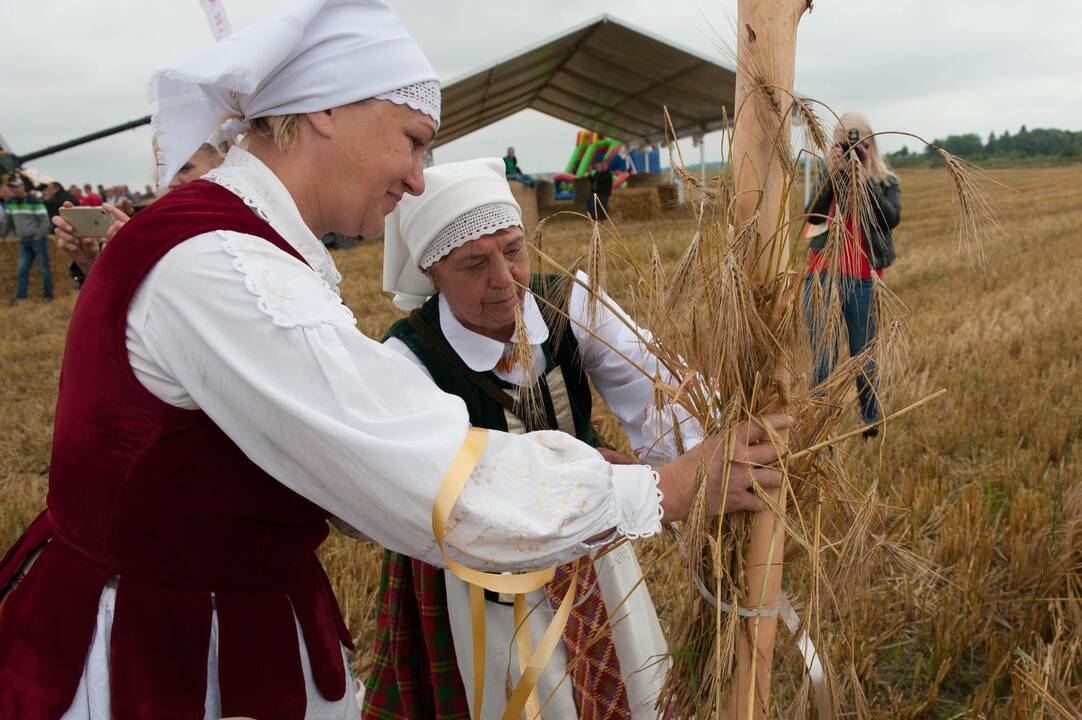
x,y
1039,142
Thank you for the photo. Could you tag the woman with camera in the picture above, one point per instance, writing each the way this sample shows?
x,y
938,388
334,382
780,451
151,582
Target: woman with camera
x,y
863,246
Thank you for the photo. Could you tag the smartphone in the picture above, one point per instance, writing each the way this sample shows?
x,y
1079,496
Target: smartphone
x,y
87,221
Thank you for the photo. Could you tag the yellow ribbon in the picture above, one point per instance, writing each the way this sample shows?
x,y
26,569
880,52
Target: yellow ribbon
x,y
525,692
525,649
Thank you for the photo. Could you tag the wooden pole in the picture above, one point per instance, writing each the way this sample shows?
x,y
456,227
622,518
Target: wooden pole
x,y
766,55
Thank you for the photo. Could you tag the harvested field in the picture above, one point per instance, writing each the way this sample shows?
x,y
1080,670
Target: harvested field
x,y
985,483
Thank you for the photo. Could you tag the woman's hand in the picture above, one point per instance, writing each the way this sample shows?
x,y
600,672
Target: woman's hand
x,y
83,251
617,458
863,154
752,452
835,157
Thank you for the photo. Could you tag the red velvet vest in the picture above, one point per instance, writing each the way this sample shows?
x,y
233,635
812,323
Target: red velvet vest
x,y
162,500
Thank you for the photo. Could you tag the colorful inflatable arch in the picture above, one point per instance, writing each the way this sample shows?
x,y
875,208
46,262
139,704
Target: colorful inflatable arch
x,y
591,148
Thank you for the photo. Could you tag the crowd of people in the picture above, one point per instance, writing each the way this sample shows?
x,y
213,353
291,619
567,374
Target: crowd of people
x,y
30,213
22,206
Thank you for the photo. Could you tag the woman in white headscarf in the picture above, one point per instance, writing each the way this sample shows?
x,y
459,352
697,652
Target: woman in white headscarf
x,y
218,405
457,257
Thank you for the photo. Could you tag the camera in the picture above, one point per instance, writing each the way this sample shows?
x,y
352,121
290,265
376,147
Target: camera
x,y
851,140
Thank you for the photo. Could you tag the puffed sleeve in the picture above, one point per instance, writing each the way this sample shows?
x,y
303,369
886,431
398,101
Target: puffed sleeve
x,y
259,342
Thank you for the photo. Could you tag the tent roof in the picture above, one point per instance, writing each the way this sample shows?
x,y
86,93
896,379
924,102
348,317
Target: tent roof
x,y
604,75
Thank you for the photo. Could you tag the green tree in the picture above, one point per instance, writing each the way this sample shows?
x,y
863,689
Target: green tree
x,y
968,145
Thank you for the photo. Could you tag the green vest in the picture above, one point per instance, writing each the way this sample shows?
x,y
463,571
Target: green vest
x,y
565,389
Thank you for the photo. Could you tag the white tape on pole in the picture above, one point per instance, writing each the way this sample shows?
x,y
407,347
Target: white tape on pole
x,y
812,663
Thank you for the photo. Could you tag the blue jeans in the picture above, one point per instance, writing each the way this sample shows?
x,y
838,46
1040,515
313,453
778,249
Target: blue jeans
x,y
31,248
519,177
858,312
591,206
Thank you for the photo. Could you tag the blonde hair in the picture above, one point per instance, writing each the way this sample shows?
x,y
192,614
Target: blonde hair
x,y
282,130
878,167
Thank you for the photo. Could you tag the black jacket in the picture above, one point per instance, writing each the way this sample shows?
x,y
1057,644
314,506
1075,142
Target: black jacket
x,y
886,203
601,183
53,204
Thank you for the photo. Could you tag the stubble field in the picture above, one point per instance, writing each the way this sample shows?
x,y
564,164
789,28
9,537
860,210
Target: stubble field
x,y
984,484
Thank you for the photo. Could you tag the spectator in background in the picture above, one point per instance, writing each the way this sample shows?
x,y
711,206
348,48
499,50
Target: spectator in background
x,y
600,189
205,159
6,195
90,198
76,192
26,218
867,248
101,192
513,171
121,199
84,251
55,196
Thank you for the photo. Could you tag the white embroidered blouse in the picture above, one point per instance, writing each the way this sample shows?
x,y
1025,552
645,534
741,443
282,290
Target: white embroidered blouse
x,y
232,325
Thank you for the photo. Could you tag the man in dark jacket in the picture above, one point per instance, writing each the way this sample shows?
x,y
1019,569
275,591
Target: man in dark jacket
x,y
55,197
600,188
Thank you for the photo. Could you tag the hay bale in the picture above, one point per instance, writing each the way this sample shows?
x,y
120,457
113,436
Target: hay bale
x,y
669,196
635,204
9,259
582,191
526,197
648,180
546,196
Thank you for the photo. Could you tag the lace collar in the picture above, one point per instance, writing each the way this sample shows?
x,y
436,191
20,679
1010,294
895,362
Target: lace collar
x,y
482,353
248,178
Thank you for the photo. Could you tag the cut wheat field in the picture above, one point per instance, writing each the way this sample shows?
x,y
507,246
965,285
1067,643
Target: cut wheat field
x,y
984,485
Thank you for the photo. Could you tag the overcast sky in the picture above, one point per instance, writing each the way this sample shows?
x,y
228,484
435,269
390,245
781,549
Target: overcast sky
x,y
932,67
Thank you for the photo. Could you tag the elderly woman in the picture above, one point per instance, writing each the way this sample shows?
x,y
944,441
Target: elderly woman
x,y
218,406
461,244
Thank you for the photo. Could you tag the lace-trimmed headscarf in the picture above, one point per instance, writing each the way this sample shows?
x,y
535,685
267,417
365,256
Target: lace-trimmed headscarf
x,y
461,202
312,56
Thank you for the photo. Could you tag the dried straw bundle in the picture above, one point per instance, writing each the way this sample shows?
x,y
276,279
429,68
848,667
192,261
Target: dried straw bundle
x,y
723,340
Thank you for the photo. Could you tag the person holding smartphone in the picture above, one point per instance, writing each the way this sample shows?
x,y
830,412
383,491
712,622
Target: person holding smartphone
x,y
83,251
868,248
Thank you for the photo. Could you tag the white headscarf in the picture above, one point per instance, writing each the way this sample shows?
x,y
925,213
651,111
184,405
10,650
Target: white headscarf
x,y
312,56
461,202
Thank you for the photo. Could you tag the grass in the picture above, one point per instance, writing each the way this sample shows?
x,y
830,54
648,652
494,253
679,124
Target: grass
x,y
985,484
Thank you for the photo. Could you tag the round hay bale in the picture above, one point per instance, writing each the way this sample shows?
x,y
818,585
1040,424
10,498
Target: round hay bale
x,y
635,204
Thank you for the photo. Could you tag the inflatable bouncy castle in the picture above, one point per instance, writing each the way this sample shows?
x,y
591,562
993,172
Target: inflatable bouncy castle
x,y
591,148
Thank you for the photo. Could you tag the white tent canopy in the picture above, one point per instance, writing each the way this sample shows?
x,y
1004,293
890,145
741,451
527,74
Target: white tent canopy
x,y
604,75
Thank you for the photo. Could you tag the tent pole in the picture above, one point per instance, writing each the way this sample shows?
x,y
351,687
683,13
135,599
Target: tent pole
x,y
702,160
